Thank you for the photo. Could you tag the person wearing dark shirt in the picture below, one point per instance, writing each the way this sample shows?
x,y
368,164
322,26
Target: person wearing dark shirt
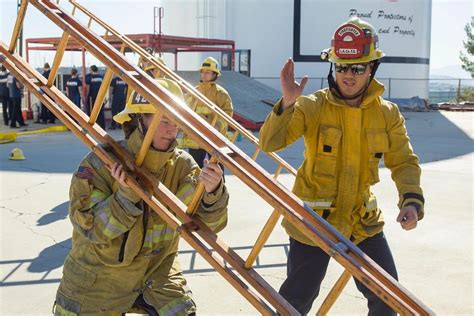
x,y
4,95
93,82
46,115
118,97
73,88
15,92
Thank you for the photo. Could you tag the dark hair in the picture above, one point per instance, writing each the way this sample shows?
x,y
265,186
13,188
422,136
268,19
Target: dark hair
x,y
130,126
46,65
2,68
94,68
73,71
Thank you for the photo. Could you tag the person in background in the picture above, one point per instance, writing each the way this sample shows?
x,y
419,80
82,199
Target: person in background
x,y
4,95
117,95
46,116
16,94
73,88
217,94
93,82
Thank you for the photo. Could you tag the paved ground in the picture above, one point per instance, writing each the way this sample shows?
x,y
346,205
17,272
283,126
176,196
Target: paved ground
x,y
434,261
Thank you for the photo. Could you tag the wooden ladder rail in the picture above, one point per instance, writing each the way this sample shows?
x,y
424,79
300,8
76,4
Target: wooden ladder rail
x,y
292,208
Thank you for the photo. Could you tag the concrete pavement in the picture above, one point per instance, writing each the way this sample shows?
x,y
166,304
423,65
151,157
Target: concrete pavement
x,y
435,261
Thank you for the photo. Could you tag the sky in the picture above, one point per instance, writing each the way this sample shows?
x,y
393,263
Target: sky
x,y
447,29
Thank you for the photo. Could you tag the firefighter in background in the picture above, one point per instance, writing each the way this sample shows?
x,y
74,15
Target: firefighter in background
x,y
347,129
152,70
117,97
218,95
15,92
74,87
46,116
124,256
4,95
93,82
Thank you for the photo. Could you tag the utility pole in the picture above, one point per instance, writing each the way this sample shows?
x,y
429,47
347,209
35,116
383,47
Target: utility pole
x,y
20,38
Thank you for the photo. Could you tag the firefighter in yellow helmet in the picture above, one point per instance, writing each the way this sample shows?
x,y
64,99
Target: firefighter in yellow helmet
x,y
347,129
152,70
124,256
218,95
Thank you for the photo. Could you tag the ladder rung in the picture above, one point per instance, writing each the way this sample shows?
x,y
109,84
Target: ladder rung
x,y
226,150
174,212
133,73
338,248
191,226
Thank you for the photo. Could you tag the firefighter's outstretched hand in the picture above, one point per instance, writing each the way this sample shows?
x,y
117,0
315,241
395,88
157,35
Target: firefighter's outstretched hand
x,y
408,217
290,88
119,174
211,176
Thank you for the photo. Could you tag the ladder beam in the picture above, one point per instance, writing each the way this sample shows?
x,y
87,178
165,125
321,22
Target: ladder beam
x,y
144,55
311,225
148,138
262,238
333,294
18,25
99,100
197,197
58,58
292,208
191,237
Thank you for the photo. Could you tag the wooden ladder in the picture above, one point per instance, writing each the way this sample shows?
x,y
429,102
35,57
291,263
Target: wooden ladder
x,y
237,271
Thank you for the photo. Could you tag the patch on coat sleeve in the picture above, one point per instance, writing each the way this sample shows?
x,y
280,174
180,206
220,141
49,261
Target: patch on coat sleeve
x,y
84,173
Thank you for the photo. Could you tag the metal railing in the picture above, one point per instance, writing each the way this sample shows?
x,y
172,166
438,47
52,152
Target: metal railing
x,y
439,90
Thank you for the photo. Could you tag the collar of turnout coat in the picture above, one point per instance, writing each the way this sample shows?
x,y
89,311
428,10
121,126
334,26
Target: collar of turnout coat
x,y
375,90
206,85
154,159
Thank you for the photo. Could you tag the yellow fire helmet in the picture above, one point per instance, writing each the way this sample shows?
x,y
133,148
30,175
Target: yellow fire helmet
x,y
17,154
152,67
138,104
210,64
354,42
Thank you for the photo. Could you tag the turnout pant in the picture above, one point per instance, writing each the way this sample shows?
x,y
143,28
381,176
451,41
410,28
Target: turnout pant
x,y
307,267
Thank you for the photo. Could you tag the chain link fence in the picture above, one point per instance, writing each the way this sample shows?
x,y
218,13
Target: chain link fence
x,y
439,90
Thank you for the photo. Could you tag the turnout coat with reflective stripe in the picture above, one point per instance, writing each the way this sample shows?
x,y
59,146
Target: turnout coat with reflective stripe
x,y
221,98
343,148
121,248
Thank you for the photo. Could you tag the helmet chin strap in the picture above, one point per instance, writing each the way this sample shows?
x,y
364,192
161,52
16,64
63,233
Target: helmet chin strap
x,y
141,125
214,79
335,89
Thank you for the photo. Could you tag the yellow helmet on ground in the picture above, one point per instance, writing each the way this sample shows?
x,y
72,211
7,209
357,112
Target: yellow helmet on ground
x,y
17,154
354,42
210,64
138,104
